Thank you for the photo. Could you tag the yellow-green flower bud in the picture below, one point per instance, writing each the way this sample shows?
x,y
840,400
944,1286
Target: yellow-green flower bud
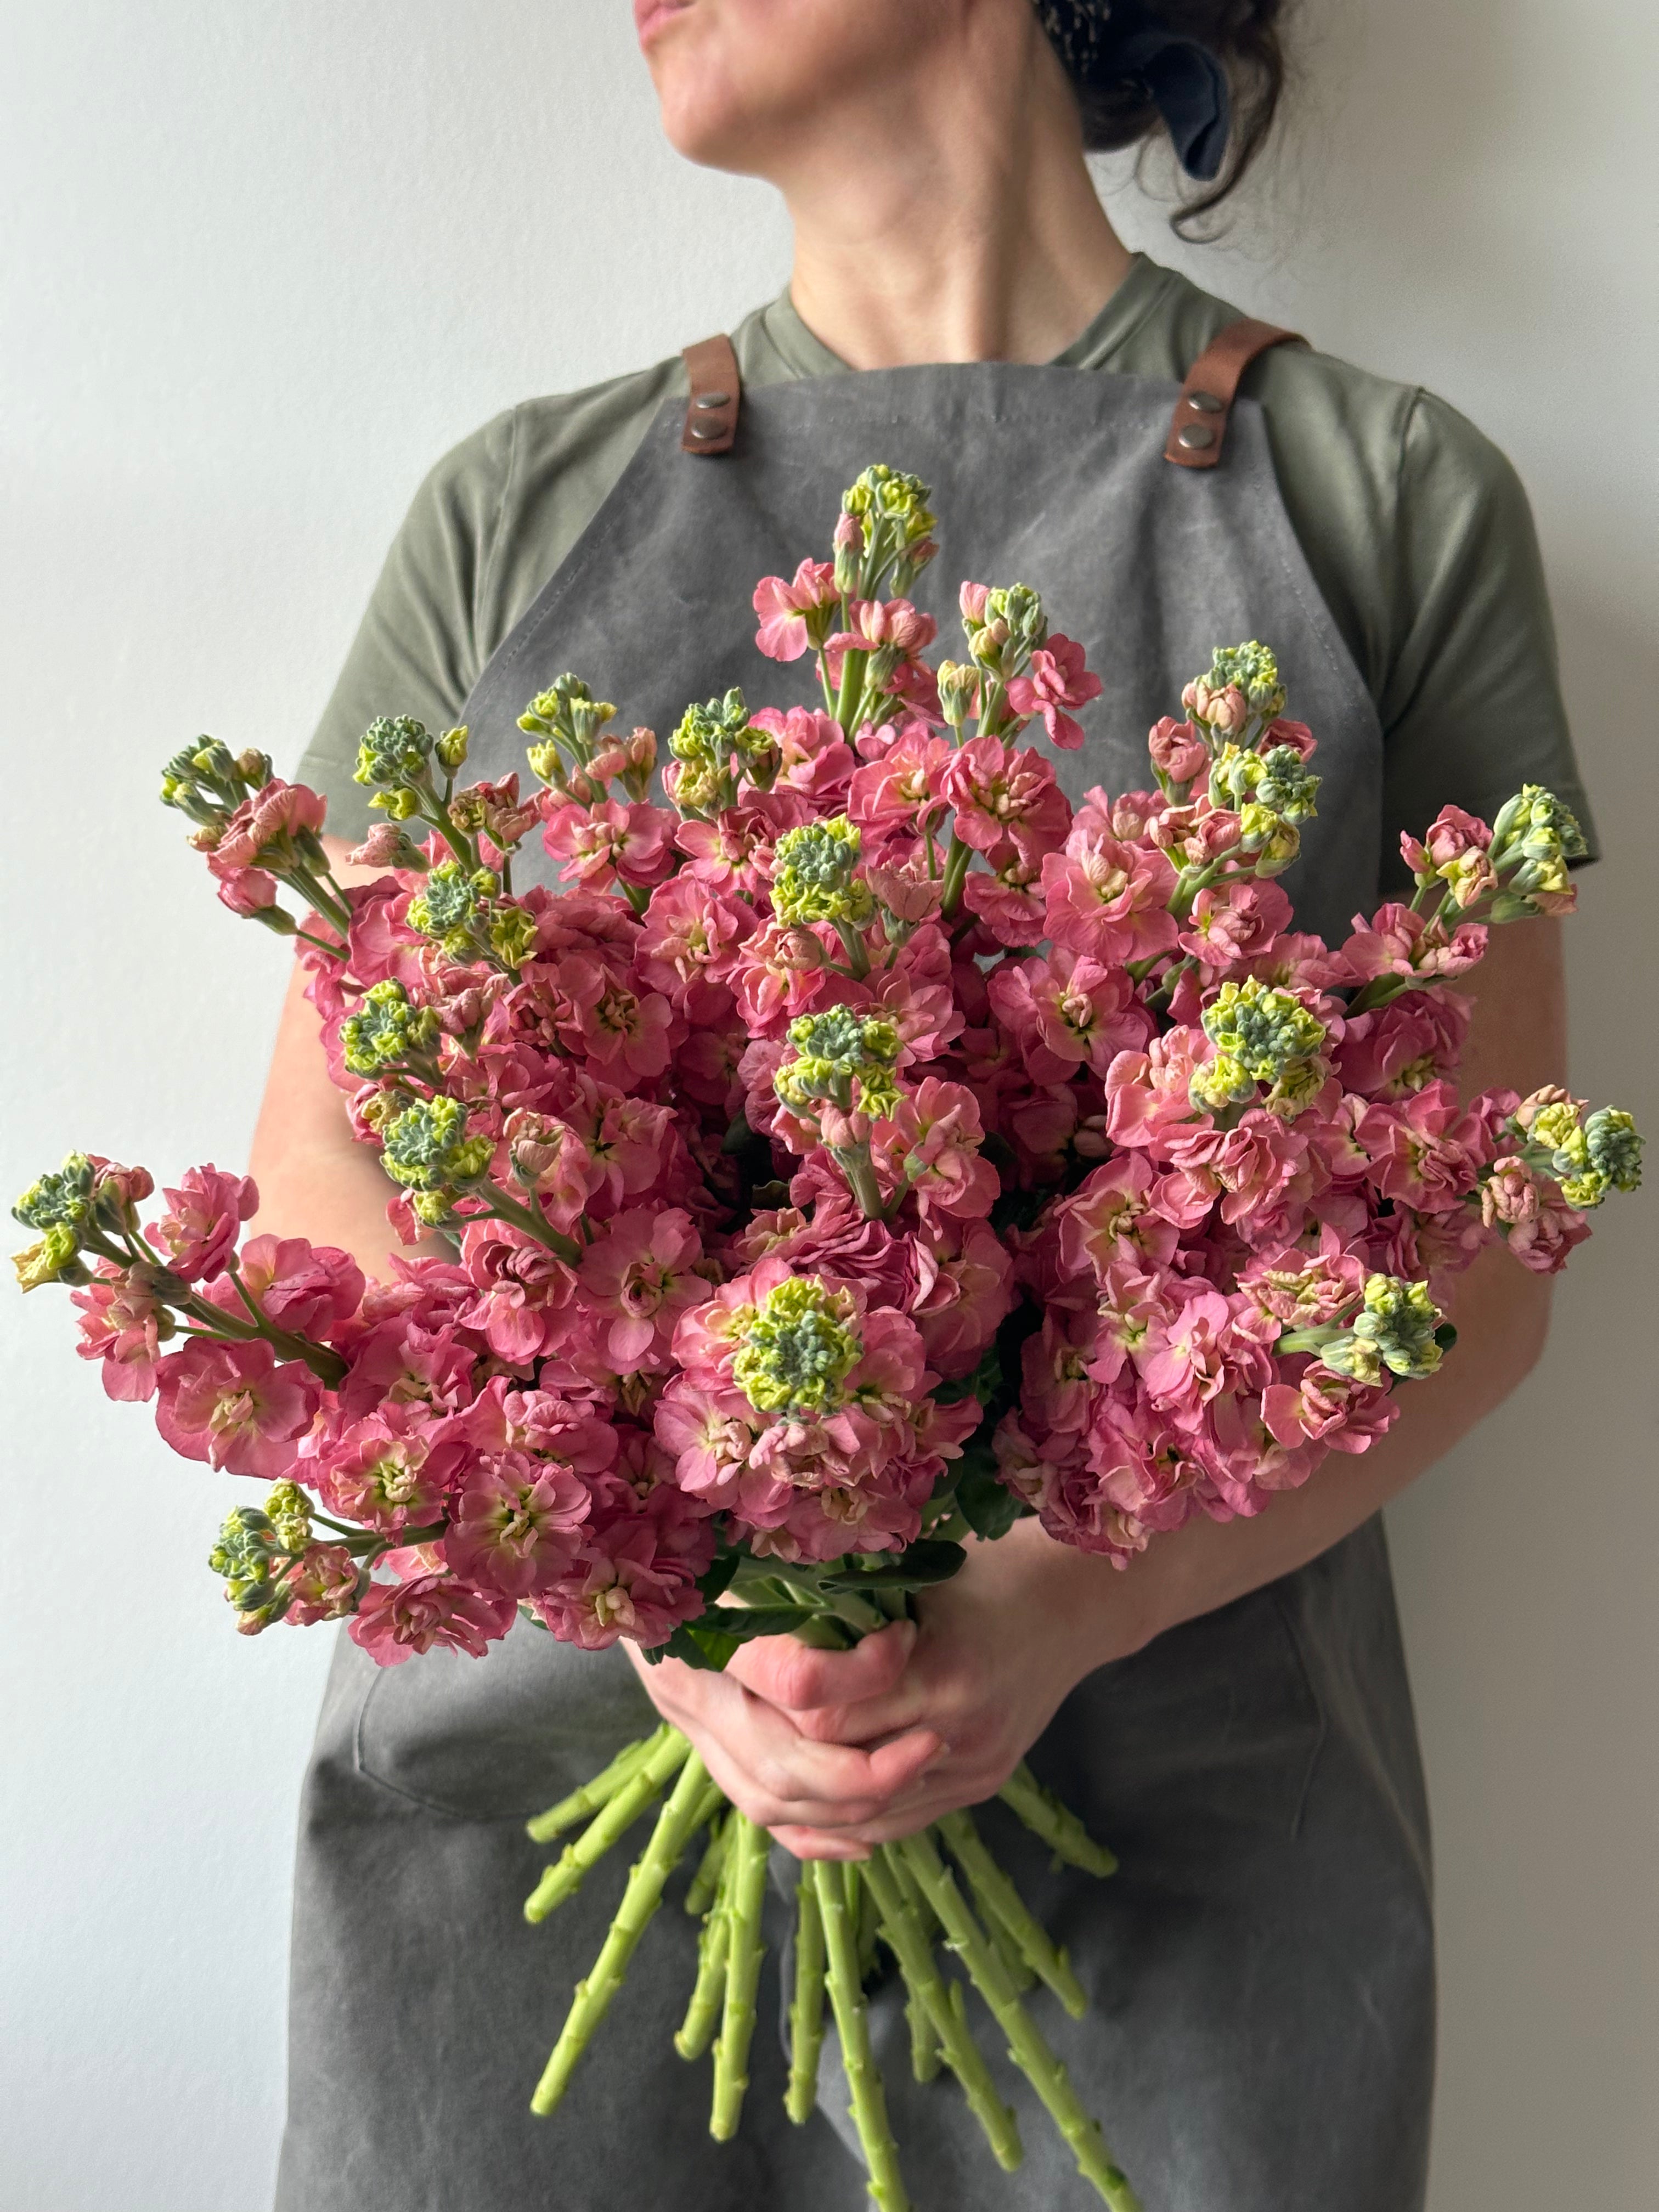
x,y
385,1030
958,685
812,878
54,1259
289,1511
1274,841
62,1198
1220,1083
1253,669
450,748
512,936
426,1147
446,907
1399,1327
1266,1030
797,1348
394,750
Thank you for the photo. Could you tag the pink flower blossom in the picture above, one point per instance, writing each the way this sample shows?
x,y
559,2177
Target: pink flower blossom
x,y
813,757
1397,942
785,608
322,1584
1108,899
524,1291
905,787
268,817
930,1147
199,1232
397,1620
640,1275
1424,1152
690,942
612,843
310,1290
121,1323
247,891
234,1406
1058,683
1234,922
1177,749
1067,1012
1006,797
392,1470
517,1523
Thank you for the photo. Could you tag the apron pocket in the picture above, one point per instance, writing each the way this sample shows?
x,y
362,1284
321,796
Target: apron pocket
x,y
501,1737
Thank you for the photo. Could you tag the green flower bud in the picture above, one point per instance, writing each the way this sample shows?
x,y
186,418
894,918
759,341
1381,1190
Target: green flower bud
x,y
244,1557
55,1259
394,751
446,907
431,1207
812,878
1274,840
398,804
569,715
385,1030
837,1049
958,683
798,1348
883,495
1399,1327
1266,1030
1220,1083
512,936
1615,1144
289,1511
60,1198
708,735
450,748
1253,669
426,1147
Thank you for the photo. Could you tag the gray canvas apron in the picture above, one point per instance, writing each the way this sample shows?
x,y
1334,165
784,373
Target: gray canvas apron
x,y
1260,1970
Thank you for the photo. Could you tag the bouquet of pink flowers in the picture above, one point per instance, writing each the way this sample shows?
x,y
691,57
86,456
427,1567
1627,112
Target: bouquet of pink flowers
x,y
860,1151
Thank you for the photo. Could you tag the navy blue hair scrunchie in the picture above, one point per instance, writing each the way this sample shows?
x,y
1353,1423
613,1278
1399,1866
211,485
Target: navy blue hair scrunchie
x,y
1101,42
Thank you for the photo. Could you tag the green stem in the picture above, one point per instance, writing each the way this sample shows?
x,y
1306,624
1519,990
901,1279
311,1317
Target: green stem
x,y
807,2012
957,858
1059,1827
705,1883
713,1947
1004,1911
748,1852
853,2025
533,1222
1026,2045
615,1818
675,1827
907,1935
852,688
599,1791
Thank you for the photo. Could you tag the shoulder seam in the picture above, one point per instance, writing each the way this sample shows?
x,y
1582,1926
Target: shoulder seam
x,y
486,572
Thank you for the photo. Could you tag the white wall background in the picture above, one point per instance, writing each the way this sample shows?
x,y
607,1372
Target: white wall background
x,y
259,266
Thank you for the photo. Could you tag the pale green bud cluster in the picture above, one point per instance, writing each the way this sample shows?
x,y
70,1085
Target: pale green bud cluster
x,y
512,936
1399,1329
836,1050
394,751
1279,780
62,1198
1533,840
1589,1157
426,1147
385,1030
450,903
1254,669
1261,1034
1011,628
797,1348
1270,837
568,719
896,525
208,782
714,743
813,878
288,1510
249,1557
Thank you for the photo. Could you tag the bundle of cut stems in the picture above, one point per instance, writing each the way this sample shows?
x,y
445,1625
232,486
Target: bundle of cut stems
x,y
907,1898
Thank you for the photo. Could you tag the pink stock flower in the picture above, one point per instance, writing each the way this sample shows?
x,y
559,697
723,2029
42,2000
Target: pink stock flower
x,y
641,1276
906,787
397,1620
266,818
1397,942
199,1234
971,1289
309,1289
1006,797
524,1291
1424,1152
930,1146
517,1523
1111,1218
234,1406
1416,1039
813,757
893,624
1010,903
121,1323
785,608
1177,749
690,942
1058,683
393,1469
627,1035
1067,1012
612,843
1235,921
1109,899
322,1584
247,891
1528,1211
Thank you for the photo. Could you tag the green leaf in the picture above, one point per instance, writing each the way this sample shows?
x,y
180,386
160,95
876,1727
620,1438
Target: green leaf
x,y
711,1640
718,1577
987,1504
932,1560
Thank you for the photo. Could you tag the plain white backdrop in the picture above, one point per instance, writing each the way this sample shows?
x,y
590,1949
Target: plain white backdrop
x,y
260,265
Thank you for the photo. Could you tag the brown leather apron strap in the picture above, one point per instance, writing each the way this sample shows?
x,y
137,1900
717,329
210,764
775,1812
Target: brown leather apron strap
x,y
711,413
1199,430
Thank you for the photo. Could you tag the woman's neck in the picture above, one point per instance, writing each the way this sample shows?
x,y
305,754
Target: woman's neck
x,y
953,220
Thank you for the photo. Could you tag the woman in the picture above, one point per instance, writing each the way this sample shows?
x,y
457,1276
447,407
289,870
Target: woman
x,y
1232,1710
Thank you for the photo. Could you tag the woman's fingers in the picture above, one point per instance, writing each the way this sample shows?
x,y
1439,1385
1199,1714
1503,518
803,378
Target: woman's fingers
x,y
800,1679
769,1768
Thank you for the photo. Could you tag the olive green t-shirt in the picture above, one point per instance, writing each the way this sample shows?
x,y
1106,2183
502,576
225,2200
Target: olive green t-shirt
x,y
1414,526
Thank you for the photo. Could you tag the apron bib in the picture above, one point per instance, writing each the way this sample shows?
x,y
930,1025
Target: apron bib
x,y
1261,2036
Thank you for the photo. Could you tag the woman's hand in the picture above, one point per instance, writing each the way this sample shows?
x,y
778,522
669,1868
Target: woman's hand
x,y
837,1751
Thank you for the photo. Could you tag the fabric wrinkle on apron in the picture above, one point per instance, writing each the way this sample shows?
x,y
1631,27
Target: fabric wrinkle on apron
x,y
1261,1969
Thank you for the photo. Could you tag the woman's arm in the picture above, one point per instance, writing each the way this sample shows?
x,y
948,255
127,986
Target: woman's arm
x,y
957,1703
314,1180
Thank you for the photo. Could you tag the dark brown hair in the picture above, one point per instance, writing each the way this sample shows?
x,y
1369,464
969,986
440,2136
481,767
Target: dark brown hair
x,y
1245,37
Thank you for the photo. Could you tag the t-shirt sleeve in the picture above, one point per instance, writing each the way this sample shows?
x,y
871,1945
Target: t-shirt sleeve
x,y
1471,700
418,649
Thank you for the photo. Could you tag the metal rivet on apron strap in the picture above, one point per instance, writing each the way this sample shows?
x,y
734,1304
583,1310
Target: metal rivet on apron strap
x,y
711,413
1198,427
